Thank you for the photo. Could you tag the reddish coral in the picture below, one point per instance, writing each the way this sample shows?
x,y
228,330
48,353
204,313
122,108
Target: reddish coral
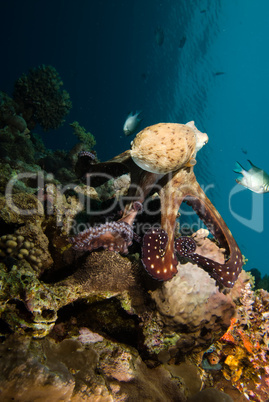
x,y
245,348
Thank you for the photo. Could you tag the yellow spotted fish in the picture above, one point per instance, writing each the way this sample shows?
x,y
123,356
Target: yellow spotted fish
x,y
255,179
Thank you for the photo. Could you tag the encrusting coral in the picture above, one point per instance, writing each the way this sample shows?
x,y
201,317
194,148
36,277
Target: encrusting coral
x,y
41,99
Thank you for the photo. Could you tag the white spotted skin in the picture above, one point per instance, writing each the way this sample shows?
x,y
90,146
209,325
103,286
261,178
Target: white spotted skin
x,y
156,257
226,274
189,190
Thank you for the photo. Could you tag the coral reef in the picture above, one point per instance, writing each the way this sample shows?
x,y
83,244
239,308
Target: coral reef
x,y
261,282
20,147
116,305
25,211
9,116
8,108
16,145
73,371
26,304
41,99
14,134
82,323
243,351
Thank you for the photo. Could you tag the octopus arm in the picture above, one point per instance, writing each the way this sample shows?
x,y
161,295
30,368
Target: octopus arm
x,y
226,273
159,262
114,236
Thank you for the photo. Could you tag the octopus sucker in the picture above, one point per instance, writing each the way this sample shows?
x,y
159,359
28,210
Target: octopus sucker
x,y
163,155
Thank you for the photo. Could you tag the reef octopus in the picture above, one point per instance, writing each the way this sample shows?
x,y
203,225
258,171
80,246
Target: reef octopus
x,y
162,157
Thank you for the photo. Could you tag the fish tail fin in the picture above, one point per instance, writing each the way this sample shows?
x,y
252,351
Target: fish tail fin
x,y
249,161
238,168
137,114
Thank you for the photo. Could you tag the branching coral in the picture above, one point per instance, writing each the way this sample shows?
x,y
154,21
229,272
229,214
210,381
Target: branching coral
x,y
8,108
9,116
15,142
16,145
86,138
41,98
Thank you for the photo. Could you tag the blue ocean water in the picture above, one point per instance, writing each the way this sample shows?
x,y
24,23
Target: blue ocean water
x,y
212,67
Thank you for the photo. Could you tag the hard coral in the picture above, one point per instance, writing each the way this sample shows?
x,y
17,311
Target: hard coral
x,y
71,371
86,138
25,302
192,302
28,242
8,108
18,247
9,116
41,98
15,141
16,145
102,272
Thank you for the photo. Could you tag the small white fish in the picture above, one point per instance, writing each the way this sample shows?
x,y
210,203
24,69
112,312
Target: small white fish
x,y
131,123
254,179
